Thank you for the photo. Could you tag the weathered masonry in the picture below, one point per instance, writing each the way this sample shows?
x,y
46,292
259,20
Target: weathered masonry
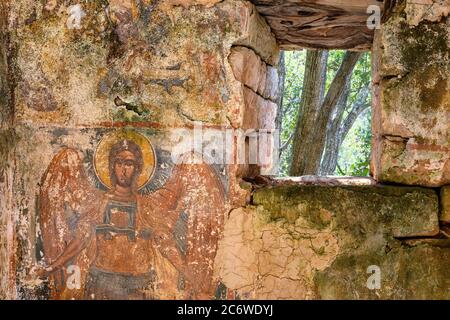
x,y
96,95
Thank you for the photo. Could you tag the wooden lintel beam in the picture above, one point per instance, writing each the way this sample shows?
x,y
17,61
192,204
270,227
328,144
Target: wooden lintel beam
x,y
332,24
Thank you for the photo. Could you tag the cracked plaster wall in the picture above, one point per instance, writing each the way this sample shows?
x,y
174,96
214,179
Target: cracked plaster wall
x,y
302,241
71,72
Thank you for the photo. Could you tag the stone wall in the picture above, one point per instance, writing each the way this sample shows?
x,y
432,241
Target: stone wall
x,y
75,79
411,105
95,96
303,241
328,238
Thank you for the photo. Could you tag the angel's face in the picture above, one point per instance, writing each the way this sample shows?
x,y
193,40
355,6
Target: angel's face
x,y
124,168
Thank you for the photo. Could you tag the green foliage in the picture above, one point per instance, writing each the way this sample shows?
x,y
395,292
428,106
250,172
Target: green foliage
x,y
354,154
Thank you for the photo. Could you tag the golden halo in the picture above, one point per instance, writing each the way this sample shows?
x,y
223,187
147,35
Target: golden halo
x,y
101,156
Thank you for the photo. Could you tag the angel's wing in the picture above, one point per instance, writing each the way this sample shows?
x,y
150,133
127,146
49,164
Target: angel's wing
x,y
65,196
187,216
203,207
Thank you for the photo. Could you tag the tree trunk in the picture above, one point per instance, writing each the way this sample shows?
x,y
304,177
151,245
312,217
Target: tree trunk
x,y
314,115
333,142
339,129
309,107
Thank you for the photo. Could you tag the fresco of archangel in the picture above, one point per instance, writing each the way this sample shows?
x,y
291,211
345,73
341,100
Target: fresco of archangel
x,y
129,244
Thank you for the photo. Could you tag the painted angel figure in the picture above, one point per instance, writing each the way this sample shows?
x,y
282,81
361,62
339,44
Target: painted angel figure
x,y
129,245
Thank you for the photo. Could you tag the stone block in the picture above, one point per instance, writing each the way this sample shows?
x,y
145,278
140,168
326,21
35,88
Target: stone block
x,y
267,112
251,109
397,211
411,108
417,273
256,34
248,68
429,10
445,204
259,113
271,88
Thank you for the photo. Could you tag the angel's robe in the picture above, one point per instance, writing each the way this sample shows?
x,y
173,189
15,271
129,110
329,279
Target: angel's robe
x,y
126,263
132,252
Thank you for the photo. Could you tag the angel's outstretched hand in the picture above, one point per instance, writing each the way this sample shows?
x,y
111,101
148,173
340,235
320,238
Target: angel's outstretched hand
x,y
39,271
37,275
